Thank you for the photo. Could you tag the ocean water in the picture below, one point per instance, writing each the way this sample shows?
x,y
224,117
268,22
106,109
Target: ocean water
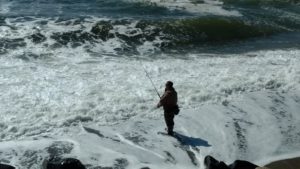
x,y
73,81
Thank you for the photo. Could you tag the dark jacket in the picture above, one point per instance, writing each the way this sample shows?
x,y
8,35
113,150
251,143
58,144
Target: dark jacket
x,y
169,99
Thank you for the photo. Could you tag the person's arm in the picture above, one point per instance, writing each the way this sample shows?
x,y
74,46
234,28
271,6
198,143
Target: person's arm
x,y
163,99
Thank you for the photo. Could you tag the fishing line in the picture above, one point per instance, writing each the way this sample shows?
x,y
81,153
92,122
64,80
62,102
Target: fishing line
x,y
147,74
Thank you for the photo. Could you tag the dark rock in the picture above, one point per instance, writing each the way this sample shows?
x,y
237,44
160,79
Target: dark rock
x,y
150,30
37,38
67,163
151,33
239,164
142,25
212,163
66,37
101,29
86,36
77,36
133,39
4,166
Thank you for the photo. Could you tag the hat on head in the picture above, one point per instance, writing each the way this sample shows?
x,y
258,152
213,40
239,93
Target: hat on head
x,y
169,84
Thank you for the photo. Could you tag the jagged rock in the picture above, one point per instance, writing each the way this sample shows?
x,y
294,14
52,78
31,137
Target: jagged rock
x,y
239,164
101,29
67,163
212,163
4,166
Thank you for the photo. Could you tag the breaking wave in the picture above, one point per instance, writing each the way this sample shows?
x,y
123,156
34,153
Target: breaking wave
x,y
130,36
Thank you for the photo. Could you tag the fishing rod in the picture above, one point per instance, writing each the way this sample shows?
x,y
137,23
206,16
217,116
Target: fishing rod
x,y
147,74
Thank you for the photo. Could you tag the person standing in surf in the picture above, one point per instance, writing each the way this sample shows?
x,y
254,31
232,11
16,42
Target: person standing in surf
x,y
169,103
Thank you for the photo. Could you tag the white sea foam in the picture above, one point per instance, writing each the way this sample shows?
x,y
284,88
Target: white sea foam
x,y
248,128
43,98
112,90
207,7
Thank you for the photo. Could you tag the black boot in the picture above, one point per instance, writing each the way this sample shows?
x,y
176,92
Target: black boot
x,y
170,131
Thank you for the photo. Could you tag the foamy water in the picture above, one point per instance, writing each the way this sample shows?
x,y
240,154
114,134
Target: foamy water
x,y
45,98
50,95
260,127
67,91
197,7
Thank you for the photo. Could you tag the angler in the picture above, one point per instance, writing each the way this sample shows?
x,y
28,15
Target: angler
x,y
169,103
